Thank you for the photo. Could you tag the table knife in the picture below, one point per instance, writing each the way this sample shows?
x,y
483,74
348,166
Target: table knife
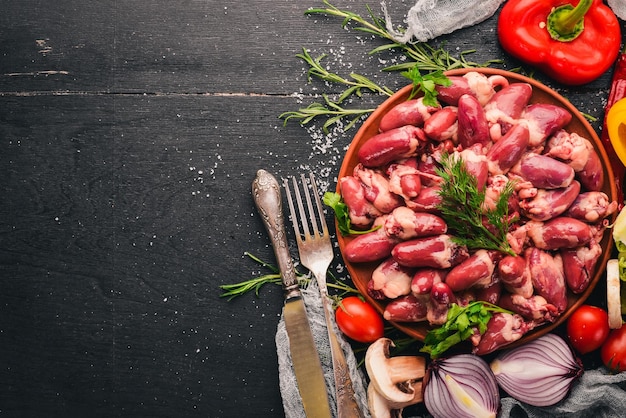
x,y
306,363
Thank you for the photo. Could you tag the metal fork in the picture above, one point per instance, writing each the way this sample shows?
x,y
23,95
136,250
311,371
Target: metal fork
x,y
316,254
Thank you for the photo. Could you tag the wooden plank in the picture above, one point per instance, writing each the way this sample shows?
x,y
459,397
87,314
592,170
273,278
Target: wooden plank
x,y
126,213
130,134
164,47
195,47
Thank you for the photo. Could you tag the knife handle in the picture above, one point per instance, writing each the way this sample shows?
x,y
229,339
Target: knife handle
x,y
268,200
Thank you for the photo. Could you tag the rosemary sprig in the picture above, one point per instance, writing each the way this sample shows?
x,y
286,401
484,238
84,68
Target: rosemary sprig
x,y
462,207
421,56
330,109
375,27
426,57
356,84
233,290
333,109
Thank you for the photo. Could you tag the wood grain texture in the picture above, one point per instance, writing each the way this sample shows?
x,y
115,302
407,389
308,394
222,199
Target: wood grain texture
x,y
130,133
116,235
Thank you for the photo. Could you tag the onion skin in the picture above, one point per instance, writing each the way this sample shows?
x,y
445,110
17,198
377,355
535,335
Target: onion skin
x,y
540,373
461,386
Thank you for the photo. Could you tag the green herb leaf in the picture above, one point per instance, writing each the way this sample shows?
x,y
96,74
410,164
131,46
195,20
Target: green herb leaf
x,y
461,324
233,290
426,84
621,256
356,84
334,201
342,214
462,207
332,110
420,55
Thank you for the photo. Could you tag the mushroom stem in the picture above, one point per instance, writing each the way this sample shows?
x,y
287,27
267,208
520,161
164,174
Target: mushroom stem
x,y
382,408
392,376
379,407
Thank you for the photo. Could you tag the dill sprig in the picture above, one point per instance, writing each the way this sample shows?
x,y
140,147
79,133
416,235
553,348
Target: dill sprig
x,y
462,207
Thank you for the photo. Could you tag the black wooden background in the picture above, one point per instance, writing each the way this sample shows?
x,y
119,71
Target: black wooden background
x,y
130,132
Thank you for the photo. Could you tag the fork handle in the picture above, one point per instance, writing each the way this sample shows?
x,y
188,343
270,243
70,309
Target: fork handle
x,y
267,198
347,406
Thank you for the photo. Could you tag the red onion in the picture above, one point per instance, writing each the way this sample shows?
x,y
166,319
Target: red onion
x,y
461,386
539,373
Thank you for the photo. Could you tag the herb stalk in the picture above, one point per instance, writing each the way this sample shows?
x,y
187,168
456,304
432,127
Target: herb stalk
x,y
462,207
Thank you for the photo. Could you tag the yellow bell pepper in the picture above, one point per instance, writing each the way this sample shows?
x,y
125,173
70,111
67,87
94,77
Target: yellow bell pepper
x,y
616,126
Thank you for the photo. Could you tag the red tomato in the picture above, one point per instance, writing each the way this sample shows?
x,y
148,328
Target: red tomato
x,y
587,328
613,351
359,320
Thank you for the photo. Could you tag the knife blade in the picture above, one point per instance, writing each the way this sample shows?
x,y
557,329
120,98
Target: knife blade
x,y
305,358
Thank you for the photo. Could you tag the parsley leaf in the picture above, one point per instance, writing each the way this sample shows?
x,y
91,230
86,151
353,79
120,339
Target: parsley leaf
x,y
461,324
426,84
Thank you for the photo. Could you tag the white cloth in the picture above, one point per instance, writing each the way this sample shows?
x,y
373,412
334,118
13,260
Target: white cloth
x,y
292,403
619,8
431,18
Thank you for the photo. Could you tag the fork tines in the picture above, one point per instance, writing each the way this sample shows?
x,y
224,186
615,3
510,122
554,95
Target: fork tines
x,y
316,254
301,210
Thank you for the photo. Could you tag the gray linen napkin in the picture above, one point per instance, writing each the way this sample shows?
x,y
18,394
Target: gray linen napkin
x,y
292,403
597,394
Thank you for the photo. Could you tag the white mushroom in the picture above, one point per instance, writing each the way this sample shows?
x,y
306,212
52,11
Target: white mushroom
x,y
380,407
393,377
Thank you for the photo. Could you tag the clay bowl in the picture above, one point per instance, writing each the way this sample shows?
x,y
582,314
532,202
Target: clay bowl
x,y
361,273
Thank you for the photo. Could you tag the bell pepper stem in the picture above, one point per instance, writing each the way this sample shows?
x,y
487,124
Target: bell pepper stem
x,y
566,22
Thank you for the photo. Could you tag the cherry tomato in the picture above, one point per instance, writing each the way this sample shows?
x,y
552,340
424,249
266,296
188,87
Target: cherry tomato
x,y
587,328
359,320
613,351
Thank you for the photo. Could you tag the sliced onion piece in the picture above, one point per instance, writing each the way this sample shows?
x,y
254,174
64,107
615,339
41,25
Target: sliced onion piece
x,y
461,386
539,373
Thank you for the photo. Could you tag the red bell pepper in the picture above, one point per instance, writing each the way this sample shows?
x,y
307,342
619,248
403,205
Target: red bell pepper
x,y
572,43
